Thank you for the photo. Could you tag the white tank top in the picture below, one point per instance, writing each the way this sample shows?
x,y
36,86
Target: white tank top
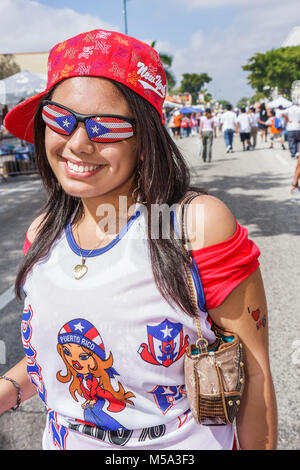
x,y
106,352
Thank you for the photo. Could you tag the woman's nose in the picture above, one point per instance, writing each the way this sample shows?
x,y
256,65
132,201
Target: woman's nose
x,y
79,141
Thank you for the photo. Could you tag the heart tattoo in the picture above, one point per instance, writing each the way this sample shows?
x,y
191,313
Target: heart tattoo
x,y
256,315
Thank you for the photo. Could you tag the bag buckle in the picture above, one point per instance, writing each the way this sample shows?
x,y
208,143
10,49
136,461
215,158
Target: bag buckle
x,y
202,345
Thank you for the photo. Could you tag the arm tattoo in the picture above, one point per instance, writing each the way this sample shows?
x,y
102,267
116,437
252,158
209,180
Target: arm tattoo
x,y
255,315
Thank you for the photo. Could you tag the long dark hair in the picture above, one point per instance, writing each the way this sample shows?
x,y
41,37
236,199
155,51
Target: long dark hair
x,y
208,113
164,179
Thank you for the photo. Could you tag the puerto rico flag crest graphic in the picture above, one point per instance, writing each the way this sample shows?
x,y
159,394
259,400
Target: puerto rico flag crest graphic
x,y
166,344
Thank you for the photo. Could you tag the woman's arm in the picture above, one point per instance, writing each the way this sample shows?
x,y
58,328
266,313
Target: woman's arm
x,y
201,127
244,312
214,129
296,175
8,392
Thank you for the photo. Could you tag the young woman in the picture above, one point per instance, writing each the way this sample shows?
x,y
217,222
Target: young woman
x,y
207,131
107,318
262,126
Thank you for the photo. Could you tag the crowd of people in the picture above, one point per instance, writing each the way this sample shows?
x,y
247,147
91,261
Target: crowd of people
x,y
278,127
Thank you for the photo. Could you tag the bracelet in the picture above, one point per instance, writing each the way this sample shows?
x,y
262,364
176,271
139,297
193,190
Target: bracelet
x,y
17,386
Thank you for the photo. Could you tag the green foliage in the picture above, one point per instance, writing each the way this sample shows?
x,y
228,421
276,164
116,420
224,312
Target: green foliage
x,y
257,97
171,81
242,103
224,103
193,83
274,68
207,97
8,66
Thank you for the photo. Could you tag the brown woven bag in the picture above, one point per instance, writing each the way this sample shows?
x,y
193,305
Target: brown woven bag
x,y
214,374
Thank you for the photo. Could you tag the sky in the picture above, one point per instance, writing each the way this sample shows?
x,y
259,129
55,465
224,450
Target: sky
x,y
216,37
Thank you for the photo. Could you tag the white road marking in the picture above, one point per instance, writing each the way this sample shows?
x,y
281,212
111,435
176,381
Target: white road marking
x,y
7,297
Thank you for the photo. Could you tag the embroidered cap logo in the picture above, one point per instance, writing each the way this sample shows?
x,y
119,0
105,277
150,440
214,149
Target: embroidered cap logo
x,y
159,88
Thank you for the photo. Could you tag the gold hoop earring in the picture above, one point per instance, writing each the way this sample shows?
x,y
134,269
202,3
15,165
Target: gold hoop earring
x,y
136,191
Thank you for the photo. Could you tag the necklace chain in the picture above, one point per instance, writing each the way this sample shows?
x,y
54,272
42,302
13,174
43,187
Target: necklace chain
x,y
91,251
80,270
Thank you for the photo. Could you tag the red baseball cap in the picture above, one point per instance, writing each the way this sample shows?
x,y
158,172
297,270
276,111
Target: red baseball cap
x,y
96,53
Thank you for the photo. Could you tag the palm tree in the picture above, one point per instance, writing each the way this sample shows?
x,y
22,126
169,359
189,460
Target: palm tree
x,y
167,60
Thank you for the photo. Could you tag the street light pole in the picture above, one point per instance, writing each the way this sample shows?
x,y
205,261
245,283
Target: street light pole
x,y
125,15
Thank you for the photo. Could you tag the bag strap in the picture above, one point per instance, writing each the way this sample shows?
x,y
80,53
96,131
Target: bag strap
x,y
202,343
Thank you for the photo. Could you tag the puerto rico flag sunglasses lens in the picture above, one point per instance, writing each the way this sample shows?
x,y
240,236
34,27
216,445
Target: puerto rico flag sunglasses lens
x,y
99,127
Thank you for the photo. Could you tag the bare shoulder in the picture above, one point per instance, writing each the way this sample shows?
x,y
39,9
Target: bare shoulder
x,y
209,221
34,227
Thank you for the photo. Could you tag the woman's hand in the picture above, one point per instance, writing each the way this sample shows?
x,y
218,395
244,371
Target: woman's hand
x,y
8,394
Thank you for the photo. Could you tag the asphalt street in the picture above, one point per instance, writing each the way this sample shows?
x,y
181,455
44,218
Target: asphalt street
x,y
255,186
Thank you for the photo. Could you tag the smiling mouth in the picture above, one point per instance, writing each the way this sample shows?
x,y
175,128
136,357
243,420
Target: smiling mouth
x,y
82,168
77,365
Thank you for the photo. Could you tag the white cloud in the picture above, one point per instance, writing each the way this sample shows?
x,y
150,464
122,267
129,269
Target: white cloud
x,y
200,4
28,26
223,50
203,4
256,26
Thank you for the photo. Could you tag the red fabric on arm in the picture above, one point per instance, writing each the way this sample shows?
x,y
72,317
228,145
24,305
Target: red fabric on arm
x,y
225,265
27,245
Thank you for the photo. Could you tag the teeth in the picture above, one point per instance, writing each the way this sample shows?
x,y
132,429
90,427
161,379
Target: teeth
x,y
81,169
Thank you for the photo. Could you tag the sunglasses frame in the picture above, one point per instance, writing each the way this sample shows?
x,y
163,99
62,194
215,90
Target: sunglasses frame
x,y
84,117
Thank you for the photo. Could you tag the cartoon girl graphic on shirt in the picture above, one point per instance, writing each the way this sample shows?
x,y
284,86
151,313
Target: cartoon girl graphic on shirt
x,y
81,348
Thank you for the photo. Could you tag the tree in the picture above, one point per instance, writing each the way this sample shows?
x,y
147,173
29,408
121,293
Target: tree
x,y
223,103
243,102
193,83
167,61
274,68
8,66
207,98
257,97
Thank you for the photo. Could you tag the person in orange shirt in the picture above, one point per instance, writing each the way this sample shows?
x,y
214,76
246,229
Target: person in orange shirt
x,y
275,129
177,123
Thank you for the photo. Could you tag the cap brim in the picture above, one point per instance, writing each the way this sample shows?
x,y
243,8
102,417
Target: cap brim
x,y
20,120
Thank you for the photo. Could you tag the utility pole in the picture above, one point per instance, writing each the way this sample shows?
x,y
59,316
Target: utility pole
x,y
125,15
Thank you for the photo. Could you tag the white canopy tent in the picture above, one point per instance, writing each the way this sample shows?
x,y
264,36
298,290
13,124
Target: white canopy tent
x,y
20,86
280,101
171,105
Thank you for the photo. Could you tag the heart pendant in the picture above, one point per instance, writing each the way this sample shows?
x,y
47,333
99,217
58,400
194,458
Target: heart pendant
x,y
80,270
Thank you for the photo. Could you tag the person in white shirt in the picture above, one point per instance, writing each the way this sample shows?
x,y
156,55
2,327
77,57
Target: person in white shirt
x,y
228,124
254,117
292,115
243,126
217,122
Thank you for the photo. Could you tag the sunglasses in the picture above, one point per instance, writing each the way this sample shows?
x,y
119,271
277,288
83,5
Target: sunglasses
x,y
99,127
